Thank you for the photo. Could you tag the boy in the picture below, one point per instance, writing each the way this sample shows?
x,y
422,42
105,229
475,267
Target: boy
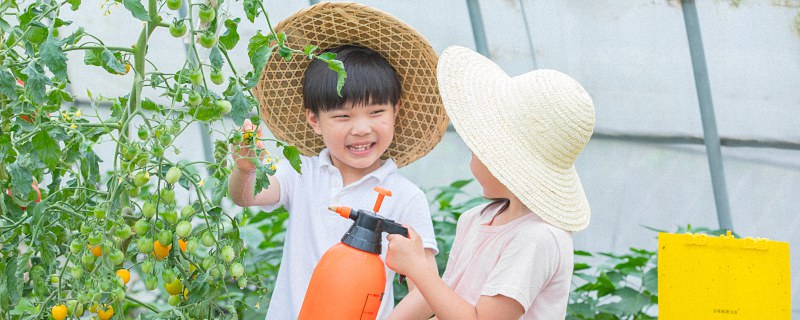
x,y
357,129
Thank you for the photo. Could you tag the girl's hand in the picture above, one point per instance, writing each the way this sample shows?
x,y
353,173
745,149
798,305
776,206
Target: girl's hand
x,y
406,255
243,153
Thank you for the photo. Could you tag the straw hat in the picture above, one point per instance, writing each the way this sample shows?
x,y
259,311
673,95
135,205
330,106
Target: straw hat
x,y
421,120
527,130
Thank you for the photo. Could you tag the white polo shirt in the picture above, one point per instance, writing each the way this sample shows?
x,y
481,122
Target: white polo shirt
x,y
312,229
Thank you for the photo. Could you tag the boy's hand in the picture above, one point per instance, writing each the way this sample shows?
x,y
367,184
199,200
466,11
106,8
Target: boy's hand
x,y
243,153
406,255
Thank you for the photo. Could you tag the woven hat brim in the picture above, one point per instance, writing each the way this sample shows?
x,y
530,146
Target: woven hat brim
x,y
474,105
421,120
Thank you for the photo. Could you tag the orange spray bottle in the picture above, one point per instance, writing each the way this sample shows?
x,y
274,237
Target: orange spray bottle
x,y
349,280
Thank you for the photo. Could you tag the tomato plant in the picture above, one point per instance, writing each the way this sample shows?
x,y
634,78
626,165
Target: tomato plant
x,y
78,230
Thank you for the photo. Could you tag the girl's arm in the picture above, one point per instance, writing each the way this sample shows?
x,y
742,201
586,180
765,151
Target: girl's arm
x,y
406,256
413,306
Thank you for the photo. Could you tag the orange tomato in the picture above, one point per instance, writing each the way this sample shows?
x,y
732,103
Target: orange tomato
x,y
182,244
96,250
125,275
160,251
105,312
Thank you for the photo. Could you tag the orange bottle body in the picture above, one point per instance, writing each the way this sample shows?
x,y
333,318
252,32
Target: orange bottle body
x,y
347,284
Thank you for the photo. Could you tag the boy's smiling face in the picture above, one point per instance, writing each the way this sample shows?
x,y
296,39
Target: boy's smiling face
x,y
356,136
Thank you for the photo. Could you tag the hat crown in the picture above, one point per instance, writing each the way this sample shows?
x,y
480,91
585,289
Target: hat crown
x,y
554,115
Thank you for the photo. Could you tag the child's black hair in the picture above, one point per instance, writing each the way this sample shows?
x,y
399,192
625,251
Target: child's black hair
x,y
370,80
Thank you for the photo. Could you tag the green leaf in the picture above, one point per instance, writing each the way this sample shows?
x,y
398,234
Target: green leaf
x,y
259,52
54,58
105,58
74,4
309,49
36,82
8,84
241,106
90,167
650,280
216,58
137,9
46,149
338,66
291,154
251,9
148,104
582,253
75,36
631,302
580,266
21,176
230,38
262,178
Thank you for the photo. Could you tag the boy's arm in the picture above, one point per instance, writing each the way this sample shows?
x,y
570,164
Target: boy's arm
x,y
240,189
243,177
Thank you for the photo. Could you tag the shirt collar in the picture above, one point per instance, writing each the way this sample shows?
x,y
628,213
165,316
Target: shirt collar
x,y
388,167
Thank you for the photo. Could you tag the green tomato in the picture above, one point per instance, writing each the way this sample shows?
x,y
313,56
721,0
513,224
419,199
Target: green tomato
x,y
147,266
54,279
76,272
224,106
191,245
86,229
95,238
207,13
174,4
133,191
165,237
149,209
142,133
141,227
237,137
208,262
242,283
176,127
175,300
130,153
151,282
76,246
170,216
144,245
227,254
177,29
208,40
196,77
207,239
194,98
165,139
87,260
173,174
187,212
217,77
141,178
116,257
123,232
236,270
183,229
158,151
168,275
118,294
99,212
168,195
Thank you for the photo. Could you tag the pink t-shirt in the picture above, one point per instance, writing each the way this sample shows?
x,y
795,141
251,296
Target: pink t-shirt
x,y
526,259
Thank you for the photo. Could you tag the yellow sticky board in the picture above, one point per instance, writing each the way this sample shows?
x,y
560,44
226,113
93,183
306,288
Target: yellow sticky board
x,y
708,277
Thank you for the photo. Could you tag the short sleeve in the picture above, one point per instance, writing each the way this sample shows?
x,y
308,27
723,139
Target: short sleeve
x,y
287,178
417,214
527,263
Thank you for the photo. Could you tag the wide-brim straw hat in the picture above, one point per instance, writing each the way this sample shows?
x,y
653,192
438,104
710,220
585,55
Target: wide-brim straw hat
x,y
528,130
421,120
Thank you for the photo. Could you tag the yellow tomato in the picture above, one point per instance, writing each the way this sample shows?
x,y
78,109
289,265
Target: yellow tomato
x,y
182,244
96,250
125,275
105,312
59,312
174,287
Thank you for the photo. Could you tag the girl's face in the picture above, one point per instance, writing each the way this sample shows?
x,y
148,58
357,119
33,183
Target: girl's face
x,y
492,188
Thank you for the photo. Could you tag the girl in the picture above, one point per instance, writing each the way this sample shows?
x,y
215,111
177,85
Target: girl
x,y
511,258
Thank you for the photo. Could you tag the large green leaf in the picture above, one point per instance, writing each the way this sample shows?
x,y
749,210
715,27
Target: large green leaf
x,y
137,9
36,82
54,58
230,38
8,84
47,149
